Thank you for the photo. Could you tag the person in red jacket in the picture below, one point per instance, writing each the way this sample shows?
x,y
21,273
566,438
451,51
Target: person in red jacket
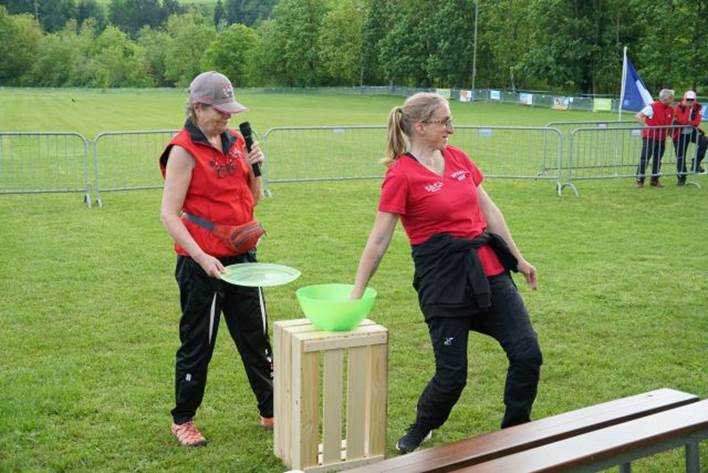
x,y
210,179
463,253
688,112
657,117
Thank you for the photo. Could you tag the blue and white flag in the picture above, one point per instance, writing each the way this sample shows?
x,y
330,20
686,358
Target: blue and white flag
x,y
635,95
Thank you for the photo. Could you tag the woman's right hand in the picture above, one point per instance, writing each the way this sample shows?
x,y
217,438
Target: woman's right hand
x,y
356,293
210,265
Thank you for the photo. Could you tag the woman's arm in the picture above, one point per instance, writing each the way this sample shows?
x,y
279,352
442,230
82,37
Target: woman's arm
x,y
374,251
177,178
497,224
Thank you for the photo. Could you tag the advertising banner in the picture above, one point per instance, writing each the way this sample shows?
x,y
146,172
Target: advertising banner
x,y
602,105
560,103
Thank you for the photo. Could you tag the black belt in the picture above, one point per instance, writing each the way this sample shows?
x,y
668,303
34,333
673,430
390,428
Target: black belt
x,y
199,221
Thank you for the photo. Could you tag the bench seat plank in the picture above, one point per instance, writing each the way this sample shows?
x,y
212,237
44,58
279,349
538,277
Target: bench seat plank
x,y
607,447
474,450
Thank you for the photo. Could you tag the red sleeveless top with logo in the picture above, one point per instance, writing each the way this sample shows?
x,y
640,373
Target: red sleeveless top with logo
x,y
429,204
219,190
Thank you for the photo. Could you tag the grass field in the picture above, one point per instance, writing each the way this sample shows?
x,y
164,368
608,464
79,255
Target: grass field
x,y
89,307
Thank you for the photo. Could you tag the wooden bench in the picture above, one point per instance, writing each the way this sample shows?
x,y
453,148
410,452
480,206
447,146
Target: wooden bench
x,y
464,453
611,446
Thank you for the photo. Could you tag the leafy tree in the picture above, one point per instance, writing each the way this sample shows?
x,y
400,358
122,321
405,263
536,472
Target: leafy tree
x,y
21,35
171,7
155,44
219,15
377,23
131,15
450,43
191,35
248,12
52,15
233,11
117,61
232,53
82,70
295,39
268,68
404,49
504,37
91,9
57,57
340,42
672,49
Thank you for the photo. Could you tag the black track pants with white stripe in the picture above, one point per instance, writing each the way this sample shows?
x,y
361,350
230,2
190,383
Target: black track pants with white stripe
x,y
203,299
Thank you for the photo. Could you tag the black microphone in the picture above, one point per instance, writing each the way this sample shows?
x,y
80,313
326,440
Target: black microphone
x,y
245,129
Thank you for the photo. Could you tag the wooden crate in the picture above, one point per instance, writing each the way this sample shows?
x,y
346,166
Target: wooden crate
x,y
299,438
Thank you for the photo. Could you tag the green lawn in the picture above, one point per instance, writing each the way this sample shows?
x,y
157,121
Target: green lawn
x,y
89,307
91,111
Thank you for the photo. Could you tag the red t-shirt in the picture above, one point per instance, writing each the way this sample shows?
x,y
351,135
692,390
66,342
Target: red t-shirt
x,y
429,204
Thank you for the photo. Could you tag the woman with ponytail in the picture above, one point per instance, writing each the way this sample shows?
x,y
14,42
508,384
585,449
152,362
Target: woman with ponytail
x,y
463,254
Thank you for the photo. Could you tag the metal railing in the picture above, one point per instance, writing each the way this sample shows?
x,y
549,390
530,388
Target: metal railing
x,y
323,153
627,152
33,162
127,160
354,152
38,162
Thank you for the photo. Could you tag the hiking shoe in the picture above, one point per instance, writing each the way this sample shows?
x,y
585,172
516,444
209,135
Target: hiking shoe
x,y
267,422
656,184
411,440
187,434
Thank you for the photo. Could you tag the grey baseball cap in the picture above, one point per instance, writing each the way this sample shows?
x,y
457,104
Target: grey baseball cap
x,y
216,90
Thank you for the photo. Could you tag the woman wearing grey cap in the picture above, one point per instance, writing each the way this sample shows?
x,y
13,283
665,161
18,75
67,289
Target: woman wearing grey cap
x,y
211,179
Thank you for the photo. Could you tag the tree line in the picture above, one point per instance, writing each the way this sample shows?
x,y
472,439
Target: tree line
x,y
565,46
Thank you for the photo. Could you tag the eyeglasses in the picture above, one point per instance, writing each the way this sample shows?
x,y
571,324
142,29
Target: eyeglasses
x,y
447,123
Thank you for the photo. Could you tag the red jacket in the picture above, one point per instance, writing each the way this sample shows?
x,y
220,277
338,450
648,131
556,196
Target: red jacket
x,y
685,115
663,117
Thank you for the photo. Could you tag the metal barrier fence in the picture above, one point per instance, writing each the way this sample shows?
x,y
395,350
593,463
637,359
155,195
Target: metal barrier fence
x,y
566,127
34,162
323,153
622,152
127,160
59,162
354,152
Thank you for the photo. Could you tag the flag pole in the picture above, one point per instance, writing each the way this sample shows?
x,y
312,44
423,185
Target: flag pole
x,y
624,79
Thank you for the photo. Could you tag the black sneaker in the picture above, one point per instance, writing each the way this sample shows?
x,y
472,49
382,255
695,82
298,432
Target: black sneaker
x,y
412,439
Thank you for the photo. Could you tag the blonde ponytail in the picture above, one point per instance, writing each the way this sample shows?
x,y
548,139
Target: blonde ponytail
x,y
417,108
395,139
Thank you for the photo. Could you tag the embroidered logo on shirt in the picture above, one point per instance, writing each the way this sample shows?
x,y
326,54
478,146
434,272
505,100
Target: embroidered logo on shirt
x,y
434,187
459,175
448,341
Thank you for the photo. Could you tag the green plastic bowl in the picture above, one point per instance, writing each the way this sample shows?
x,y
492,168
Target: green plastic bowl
x,y
328,306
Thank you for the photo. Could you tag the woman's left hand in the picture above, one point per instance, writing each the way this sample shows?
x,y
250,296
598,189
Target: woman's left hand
x,y
256,155
529,272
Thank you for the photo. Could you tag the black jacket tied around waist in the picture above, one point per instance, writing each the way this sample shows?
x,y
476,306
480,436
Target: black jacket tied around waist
x,y
449,274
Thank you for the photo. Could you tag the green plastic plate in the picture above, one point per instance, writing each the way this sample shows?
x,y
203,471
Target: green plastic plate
x,y
259,274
